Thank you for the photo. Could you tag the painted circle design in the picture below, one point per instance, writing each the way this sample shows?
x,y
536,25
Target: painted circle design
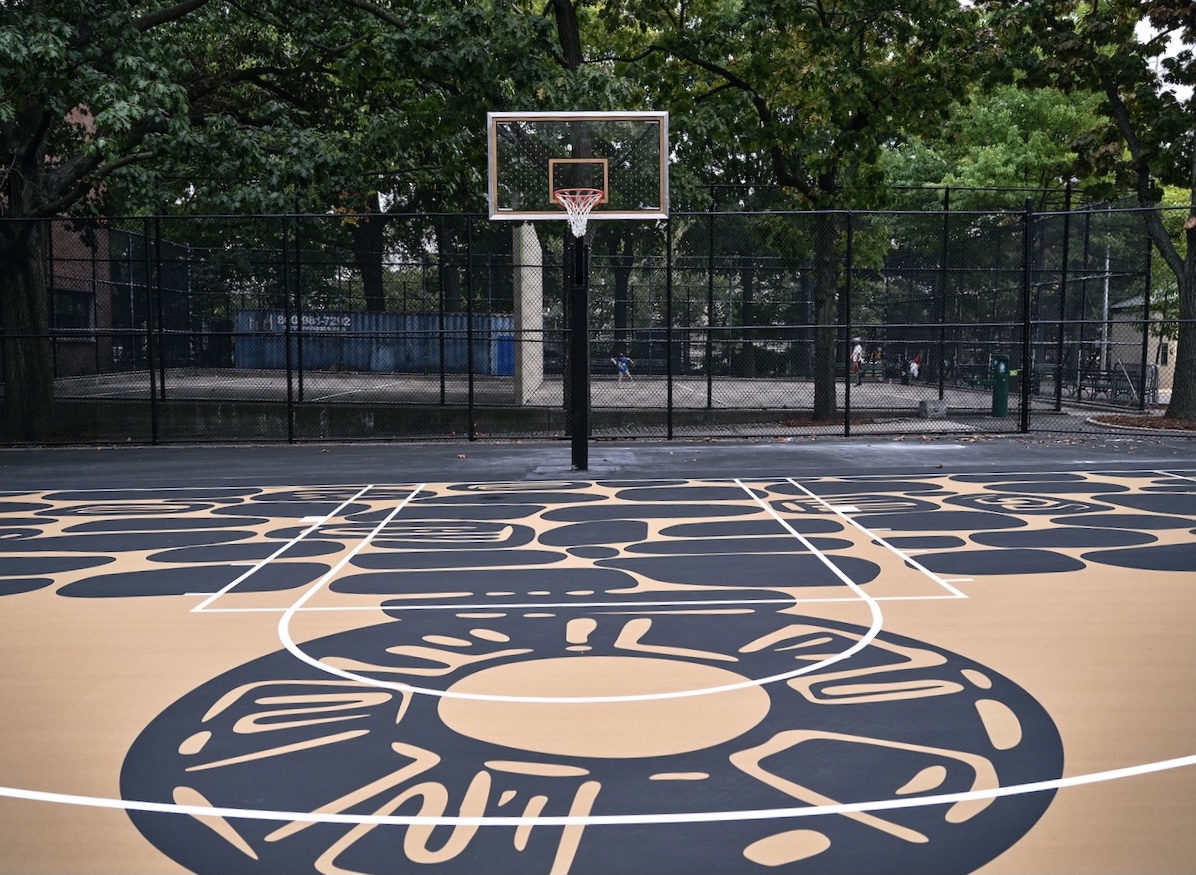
x,y
898,719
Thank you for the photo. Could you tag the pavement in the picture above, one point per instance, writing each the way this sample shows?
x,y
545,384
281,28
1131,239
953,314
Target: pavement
x,y
300,464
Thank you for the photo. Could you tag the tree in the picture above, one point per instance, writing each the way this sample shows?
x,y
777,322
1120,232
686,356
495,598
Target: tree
x,y
274,105
64,130
808,93
1001,142
1147,86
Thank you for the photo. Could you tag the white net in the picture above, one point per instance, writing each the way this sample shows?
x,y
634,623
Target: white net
x,y
577,203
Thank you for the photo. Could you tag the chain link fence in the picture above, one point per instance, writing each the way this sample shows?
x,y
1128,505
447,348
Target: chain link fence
x,y
737,324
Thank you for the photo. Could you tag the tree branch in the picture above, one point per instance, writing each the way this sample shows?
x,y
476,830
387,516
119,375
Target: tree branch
x,y
167,15
780,160
379,12
1154,223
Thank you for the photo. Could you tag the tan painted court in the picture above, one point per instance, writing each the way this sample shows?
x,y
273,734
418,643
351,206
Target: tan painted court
x,y
698,660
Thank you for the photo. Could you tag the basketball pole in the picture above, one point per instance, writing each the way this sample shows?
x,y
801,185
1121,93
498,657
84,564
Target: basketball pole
x,y
579,354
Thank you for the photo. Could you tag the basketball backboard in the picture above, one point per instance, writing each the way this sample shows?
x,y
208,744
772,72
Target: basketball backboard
x,y
533,154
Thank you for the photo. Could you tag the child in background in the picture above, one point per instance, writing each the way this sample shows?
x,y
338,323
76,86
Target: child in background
x,y
623,366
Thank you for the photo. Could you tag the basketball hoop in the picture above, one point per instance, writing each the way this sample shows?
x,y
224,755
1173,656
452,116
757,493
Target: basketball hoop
x,y
577,203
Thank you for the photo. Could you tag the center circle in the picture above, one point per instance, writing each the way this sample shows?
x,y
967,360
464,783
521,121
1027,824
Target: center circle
x,y
638,728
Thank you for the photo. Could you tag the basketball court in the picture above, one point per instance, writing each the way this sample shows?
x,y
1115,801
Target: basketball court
x,y
243,660
660,660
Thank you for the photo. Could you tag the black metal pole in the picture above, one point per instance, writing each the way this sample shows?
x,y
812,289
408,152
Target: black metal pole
x,y
161,315
668,328
299,365
1142,382
1027,284
579,354
442,264
287,336
710,307
1083,295
473,426
848,347
53,316
149,330
943,292
1060,334
95,302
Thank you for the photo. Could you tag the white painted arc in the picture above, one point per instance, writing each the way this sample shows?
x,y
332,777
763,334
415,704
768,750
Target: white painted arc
x,y
288,641
603,819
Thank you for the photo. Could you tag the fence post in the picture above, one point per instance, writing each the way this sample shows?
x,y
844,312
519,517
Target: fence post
x,y
848,346
52,320
96,328
160,308
1084,270
299,335
943,281
441,246
473,431
1145,328
710,306
149,329
1027,370
287,333
1062,327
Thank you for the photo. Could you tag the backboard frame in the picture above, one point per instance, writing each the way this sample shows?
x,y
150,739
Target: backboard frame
x,y
549,210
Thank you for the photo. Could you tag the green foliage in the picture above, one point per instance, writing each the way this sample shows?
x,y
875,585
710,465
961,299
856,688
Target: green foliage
x,y
1140,58
999,146
1137,57
804,95
275,106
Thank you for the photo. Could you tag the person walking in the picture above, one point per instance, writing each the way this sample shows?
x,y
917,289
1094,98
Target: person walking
x,y
857,361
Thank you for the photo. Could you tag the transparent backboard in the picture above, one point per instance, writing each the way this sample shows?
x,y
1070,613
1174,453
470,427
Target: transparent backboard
x,y
623,154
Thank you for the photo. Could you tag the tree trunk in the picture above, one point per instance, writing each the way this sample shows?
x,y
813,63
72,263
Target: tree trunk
x,y
1183,385
368,235
28,361
450,277
621,264
825,315
568,33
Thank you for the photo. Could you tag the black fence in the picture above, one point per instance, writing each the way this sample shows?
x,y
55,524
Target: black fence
x,y
390,327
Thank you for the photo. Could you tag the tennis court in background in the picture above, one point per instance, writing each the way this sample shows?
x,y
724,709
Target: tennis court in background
x,y
957,671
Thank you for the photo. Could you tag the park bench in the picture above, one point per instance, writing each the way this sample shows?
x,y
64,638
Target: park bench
x,y
871,371
1121,383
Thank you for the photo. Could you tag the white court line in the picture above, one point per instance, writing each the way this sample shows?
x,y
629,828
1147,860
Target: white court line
x,y
603,819
599,820
372,388
284,636
497,606
1176,476
201,608
841,511
500,606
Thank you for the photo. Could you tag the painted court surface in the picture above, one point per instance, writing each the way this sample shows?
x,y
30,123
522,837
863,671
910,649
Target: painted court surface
x,y
947,672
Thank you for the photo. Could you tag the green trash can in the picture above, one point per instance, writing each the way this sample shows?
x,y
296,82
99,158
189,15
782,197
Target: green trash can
x,y
1000,377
